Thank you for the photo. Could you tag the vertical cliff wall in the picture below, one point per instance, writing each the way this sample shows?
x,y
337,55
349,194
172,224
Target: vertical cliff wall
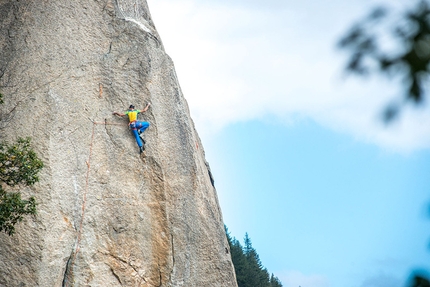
x,y
107,216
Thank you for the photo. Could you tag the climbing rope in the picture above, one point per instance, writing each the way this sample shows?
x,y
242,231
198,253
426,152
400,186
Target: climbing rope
x,y
84,197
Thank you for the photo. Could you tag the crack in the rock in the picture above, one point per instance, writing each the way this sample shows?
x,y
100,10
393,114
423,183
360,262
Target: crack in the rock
x,y
68,276
128,264
173,256
116,276
160,277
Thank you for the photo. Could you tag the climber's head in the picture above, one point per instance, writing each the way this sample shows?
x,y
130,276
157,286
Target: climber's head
x,y
131,107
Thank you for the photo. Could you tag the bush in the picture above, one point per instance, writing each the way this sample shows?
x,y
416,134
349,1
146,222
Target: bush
x,y
19,166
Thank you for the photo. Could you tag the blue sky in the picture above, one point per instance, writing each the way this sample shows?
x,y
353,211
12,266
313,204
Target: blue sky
x,y
320,205
330,196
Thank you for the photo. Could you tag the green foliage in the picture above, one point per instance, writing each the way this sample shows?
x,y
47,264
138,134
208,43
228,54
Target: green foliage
x,y
419,280
411,60
412,63
257,274
12,210
19,165
239,260
248,267
275,282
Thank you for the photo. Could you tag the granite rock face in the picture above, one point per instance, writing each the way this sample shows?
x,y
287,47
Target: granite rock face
x,y
107,216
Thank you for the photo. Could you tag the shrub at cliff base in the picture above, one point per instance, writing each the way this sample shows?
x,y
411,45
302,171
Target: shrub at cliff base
x,y
19,166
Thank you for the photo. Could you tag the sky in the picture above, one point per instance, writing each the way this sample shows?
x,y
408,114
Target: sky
x,y
329,194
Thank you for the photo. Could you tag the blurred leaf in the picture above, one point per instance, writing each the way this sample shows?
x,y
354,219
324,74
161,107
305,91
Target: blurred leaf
x,y
412,34
420,281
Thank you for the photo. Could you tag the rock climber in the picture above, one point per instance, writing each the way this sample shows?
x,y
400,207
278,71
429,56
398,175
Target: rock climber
x,y
137,127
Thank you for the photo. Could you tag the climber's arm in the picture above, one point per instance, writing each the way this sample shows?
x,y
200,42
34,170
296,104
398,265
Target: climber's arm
x,y
118,114
146,108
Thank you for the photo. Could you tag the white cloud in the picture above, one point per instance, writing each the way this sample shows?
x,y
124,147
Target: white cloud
x,y
237,63
295,279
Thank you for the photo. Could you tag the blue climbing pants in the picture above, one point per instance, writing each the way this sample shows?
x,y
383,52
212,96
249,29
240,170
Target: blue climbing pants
x,y
138,126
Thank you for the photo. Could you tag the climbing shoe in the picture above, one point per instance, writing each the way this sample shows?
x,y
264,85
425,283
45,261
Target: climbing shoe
x,y
141,137
141,149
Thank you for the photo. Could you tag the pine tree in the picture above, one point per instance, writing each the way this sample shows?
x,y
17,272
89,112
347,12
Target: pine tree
x,y
248,267
239,260
257,274
274,281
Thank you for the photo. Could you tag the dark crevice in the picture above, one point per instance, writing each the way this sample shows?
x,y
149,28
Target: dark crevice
x,y
110,47
116,276
210,174
173,257
173,253
67,272
161,281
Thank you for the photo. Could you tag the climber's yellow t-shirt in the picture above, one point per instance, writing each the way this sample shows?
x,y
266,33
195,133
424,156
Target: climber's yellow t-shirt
x,y
132,115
